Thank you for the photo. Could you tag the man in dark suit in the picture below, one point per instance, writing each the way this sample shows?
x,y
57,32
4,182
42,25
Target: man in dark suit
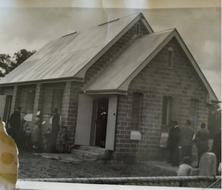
x,y
15,125
202,138
187,139
55,128
172,144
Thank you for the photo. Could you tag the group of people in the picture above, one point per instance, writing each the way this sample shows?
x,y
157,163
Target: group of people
x,y
34,138
180,140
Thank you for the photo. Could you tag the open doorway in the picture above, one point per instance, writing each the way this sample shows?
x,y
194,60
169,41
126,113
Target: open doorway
x,y
7,110
101,122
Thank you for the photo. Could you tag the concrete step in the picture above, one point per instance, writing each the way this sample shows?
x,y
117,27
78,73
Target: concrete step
x,y
93,149
86,154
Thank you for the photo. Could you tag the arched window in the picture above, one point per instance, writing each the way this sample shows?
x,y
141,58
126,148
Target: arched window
x,y
170,58
137,29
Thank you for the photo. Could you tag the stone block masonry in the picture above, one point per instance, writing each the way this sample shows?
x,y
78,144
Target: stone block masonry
x,y
156,80
69,108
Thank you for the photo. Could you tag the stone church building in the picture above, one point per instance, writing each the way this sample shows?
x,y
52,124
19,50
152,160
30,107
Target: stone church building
x,y
139,78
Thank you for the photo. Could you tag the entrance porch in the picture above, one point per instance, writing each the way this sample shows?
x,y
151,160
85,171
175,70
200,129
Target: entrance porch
x,y
96,122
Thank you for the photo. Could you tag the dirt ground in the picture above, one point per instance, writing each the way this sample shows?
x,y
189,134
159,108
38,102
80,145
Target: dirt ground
x,y
32,166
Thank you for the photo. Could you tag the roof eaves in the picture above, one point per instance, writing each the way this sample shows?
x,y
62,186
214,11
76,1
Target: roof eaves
x,y
106,91
64,79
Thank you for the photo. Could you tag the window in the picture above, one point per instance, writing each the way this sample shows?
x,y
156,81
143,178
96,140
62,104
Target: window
x,y
30,101
136,111
137,29
170,58
57,99
193,113
166,111
53,99
27,98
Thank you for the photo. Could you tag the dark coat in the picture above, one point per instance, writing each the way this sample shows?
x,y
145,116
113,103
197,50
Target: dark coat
x,y
174,137
217,147
55,124
187,136
15,120
202,138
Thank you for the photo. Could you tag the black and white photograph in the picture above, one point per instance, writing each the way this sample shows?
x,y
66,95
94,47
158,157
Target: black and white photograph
x,y
111,94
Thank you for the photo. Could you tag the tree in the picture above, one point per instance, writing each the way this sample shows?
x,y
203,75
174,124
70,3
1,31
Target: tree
x,y
8,63
5,61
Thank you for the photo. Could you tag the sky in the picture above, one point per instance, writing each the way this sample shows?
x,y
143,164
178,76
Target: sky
x,y
30,28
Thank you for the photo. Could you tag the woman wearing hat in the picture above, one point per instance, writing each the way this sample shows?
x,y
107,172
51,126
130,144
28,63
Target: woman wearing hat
x,y
35,132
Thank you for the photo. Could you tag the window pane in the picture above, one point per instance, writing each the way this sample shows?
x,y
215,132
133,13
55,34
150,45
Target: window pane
x,y
136,111
48,102
57,99
166,111
170,58
30,101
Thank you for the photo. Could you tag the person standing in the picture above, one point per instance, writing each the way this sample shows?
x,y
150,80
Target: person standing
x,y
216,149
15,125
187,134
35,132
202,138
55,128
172,144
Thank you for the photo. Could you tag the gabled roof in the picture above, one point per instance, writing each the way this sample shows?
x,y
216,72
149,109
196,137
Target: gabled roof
x,y
70,56
124,66
118,75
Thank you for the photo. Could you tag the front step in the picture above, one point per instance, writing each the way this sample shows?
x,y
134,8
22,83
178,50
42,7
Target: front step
x,y
93,149
90,152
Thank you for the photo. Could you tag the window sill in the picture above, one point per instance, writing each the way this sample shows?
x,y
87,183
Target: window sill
x,y
135,135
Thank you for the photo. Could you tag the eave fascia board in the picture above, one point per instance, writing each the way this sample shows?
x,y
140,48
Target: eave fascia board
x,y
97,92
65,79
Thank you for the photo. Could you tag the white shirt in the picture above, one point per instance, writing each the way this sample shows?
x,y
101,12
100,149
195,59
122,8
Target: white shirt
x,y
184,170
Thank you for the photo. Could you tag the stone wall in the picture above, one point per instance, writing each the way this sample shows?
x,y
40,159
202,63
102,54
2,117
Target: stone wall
x,y
156,80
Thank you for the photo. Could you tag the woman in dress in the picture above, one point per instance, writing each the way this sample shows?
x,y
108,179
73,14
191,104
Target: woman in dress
x,y
35,132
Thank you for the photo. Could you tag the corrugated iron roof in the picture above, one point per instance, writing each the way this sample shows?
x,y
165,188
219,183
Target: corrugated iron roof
x,y
122,67
65,56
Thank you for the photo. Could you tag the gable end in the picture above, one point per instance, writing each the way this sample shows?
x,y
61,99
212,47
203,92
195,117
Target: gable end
x,y
211,97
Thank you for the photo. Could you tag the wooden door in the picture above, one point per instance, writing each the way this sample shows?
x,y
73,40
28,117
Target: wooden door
x,y
111,123
84,119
